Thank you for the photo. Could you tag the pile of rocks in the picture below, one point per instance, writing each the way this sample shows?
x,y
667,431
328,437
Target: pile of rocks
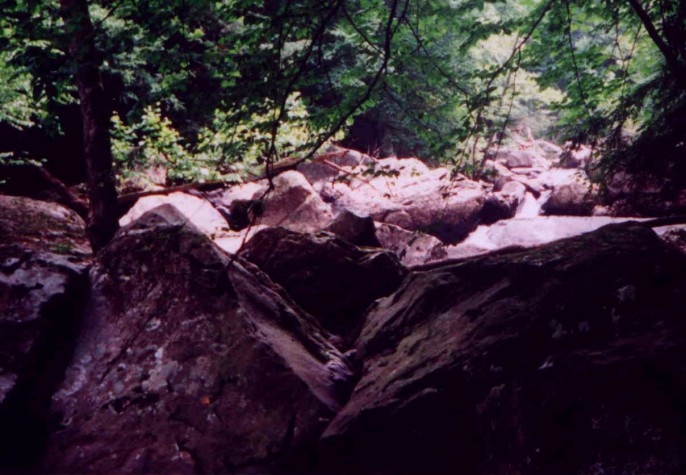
x,y
331,358
418,212
553,178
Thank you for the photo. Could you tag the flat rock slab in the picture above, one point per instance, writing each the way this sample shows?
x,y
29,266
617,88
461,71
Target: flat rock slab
x,y
189,362
566,359
526,232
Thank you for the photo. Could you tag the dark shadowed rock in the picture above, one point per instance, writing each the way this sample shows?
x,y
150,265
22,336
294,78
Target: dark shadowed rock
x,y
575,157
566,359
33,181
495,209
328,277
674,235
189,362
504,203
44,259
355,229
570,199
646,194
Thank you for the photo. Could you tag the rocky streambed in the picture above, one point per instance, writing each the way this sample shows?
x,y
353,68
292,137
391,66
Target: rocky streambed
x,y
420,213
375,317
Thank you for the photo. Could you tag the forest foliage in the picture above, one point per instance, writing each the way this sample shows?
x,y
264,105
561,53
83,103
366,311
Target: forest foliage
x,y
211,89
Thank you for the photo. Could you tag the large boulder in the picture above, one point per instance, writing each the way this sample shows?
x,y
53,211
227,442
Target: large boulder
x,y
412,247
229,227
372,190
291,203
195,210
572,194
316,172
294,204
453,216
565,359
577,157
496,173
44,260
550,150
329,277
516,158
503,204
534,155
190,361
357,230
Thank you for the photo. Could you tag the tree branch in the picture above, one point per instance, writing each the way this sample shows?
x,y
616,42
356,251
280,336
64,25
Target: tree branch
x,y
671,57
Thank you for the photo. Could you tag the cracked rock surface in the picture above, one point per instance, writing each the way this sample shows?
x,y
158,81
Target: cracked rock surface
x,y
190,362
568,359
44,259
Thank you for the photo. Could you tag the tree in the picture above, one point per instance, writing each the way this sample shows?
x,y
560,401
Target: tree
x,y
212,88
95,113
673,47
622,67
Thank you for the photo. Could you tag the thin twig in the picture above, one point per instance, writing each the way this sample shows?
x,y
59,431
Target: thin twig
x,y
577,73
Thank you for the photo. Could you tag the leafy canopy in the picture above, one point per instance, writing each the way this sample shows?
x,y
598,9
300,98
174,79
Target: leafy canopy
x,y
212,89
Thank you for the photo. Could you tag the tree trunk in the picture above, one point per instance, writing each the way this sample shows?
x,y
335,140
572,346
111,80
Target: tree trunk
x,y
95,112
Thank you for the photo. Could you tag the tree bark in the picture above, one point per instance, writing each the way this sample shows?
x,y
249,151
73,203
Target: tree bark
x,y
95,112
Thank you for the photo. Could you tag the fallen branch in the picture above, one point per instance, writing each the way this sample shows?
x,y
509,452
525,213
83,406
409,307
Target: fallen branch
x,y
67,197
34,181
